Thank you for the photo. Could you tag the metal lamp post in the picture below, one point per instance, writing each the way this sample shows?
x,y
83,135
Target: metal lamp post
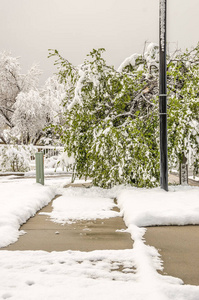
x,y
163,97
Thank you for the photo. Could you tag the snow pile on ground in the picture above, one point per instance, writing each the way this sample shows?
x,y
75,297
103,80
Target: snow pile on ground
x,y
147,207
18,202
107,274
82,204
48,171
196,178
140,207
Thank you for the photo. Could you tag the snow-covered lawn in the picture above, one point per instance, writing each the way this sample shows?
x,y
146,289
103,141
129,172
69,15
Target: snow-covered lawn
x,y
92,275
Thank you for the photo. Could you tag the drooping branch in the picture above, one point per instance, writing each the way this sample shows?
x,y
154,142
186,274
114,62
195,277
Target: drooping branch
x,y
7,121
7,109
3,139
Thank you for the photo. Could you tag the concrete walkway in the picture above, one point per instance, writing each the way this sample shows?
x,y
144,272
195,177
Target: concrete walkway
x,y
179,250
100,234
177,245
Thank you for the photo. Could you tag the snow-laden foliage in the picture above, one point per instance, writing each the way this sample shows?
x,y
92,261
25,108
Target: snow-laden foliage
x,y
12,83
53,94
183,107
26,109
29,116
112,117
15,158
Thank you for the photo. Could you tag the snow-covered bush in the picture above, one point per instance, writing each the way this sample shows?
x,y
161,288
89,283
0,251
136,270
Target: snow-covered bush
x,y
65,161
15,158
62,161
112,117
51,162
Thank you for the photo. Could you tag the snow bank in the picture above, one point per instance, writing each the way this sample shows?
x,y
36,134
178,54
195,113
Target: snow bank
x,y
147,207
82,204
105,274
196,178
18,202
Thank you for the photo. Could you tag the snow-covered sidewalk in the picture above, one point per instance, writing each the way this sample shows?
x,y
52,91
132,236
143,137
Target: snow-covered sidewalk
x,y
19,201
105,274
80,275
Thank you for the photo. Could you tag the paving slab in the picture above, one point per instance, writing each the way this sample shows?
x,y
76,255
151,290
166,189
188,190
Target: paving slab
x,y
99,234
179,250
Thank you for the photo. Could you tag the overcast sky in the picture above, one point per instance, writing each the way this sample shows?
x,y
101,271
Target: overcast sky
x,y
74,27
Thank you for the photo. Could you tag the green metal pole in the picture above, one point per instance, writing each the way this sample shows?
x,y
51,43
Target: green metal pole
x,y
39,157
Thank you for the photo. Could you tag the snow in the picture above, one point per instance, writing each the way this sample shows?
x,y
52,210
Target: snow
x,y
81,204
147,207
128,61
20,201
196,178
100,274
80,275
77,97
162,23
48,171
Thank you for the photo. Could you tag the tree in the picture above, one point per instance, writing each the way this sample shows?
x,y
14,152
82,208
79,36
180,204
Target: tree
x,y
53,94
25,109
35,110
29,117
12,83
183,101
183,107
112,121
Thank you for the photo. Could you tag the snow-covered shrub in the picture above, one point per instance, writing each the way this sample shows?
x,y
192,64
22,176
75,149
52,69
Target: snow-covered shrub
x,y
15,158
51,162
65,161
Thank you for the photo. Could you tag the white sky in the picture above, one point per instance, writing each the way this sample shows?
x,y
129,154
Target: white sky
x,y
74,27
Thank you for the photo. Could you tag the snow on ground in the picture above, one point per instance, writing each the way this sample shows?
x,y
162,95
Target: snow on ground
x,y
82,204
48,171
106,274
147,207
194,178
82,275
57,180
19,201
